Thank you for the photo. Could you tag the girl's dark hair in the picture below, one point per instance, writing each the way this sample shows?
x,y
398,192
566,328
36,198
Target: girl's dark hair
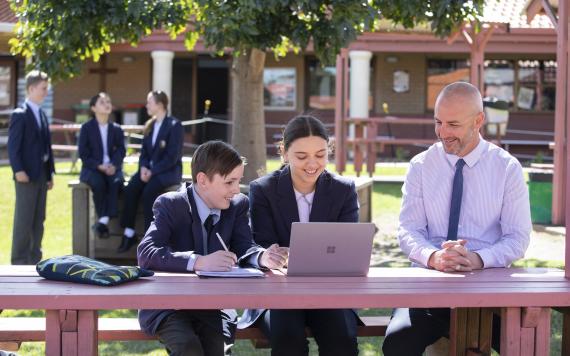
x,y
302,126
93,101
161,98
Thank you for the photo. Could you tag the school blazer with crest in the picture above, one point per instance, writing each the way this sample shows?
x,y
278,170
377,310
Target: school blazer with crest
x,y
90,147
176,233
164,158
273,208
26,142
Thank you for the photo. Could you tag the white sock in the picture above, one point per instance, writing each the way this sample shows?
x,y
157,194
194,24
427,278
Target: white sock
x,y
104,220
129,232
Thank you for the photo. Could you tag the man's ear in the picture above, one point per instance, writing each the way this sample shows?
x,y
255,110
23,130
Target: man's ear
x,y
479,120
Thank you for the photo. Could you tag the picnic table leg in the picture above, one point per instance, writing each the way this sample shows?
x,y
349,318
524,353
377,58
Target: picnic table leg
x,y
542,333
510,331
525,331
470,331
457,331
485,330
71,332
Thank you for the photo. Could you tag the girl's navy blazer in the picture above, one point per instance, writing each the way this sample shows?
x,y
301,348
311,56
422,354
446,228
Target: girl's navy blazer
x,y
90,147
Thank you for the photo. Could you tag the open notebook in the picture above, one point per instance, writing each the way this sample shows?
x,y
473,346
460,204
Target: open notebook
x,y
236,272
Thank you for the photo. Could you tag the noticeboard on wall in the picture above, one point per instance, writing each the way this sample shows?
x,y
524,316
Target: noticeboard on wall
x,y
280,88
401,81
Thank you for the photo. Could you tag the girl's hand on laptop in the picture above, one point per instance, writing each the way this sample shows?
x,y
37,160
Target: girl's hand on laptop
x,y
217,261
274,257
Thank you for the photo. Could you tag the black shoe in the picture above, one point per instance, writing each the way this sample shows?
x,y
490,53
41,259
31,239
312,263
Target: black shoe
x,y
101,230
127,243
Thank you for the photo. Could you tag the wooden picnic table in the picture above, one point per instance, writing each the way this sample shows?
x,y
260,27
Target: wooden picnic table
x,y
524,296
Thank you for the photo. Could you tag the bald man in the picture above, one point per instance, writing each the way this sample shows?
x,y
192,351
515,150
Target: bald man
x,y
465,207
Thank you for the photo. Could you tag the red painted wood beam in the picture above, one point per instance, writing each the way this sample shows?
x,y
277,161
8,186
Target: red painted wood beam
x,y
550,12
533,8
559,197
561,122
340,111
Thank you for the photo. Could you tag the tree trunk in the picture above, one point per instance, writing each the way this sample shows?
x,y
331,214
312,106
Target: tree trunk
x,y
248,134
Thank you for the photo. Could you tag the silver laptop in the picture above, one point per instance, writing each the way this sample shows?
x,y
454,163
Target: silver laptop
x,y
330,249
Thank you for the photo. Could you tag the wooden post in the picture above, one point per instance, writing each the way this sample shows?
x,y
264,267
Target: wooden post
x,y
358,147
80,226
561,124
340,112
371,132
477,66
559,182
71,332
477,43
510,331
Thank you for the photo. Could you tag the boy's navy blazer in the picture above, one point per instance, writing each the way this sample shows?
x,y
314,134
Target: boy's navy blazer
x,y
90,147
26,143
273,208
164,159
176,233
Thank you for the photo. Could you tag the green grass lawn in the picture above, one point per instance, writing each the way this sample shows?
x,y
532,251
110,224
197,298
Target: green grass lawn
x,y
57,241
57,235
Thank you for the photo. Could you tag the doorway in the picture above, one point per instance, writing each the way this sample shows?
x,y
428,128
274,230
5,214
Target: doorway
x,y
213,84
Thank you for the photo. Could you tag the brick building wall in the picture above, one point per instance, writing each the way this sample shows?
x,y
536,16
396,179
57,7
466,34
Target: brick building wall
x,y
129,85
412,102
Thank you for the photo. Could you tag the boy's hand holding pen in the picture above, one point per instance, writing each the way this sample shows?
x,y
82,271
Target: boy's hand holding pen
x,y
221,260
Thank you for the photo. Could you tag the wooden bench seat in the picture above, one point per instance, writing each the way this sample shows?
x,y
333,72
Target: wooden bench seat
x,y
15,330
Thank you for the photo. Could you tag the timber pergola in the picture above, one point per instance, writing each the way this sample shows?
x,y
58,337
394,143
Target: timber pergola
x,y
559,181
558,13
494,38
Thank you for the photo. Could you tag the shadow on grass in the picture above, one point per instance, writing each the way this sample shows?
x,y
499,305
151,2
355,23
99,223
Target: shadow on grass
x,y
547,229
386,253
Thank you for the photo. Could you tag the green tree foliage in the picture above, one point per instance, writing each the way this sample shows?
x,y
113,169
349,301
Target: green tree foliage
x,y
59,35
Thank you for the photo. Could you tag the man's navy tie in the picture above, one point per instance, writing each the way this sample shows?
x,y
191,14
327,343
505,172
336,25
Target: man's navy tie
x,y
209,226
456,194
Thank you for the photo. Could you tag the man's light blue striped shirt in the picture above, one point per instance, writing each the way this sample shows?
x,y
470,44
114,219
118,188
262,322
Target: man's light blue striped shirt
x,y
495,209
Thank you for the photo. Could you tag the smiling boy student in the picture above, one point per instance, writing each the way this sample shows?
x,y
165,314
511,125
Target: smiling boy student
x,y
183,237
